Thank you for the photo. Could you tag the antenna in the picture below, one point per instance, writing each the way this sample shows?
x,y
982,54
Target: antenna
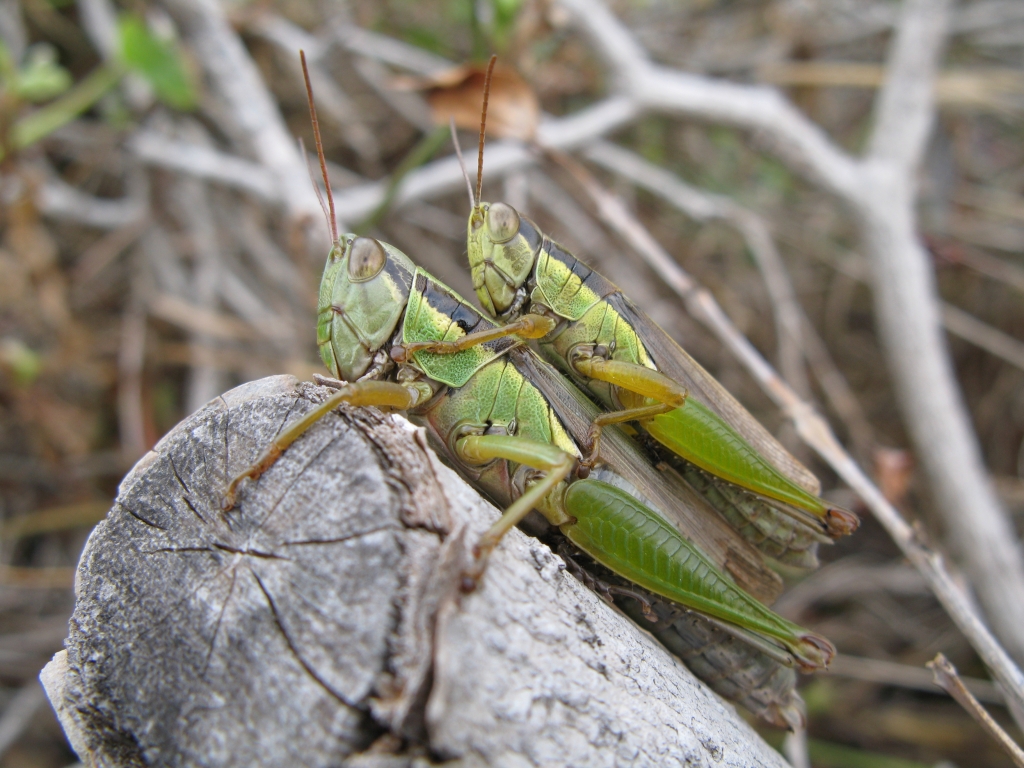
x,y
313,182
483,126
319,148
462,161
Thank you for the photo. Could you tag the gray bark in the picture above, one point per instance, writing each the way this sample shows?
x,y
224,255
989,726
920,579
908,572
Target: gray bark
x,y
320,623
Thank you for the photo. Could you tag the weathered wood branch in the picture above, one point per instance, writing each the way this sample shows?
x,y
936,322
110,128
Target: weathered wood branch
x,y
321,620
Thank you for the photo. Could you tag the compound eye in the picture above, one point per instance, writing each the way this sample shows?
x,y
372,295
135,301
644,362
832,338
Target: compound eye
x,y
503,222
366,259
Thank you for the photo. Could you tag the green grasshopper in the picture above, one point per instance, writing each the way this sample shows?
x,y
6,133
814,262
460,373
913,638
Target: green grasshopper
x,y
404,341
629,365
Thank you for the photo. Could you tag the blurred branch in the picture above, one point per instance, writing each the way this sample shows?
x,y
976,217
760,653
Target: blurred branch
x,y
12,29
794,747
763,110
331,100
989,88
239,85
909,322
18,713
906,676
131,358
387,49
60,200
947,678
206,163
970,328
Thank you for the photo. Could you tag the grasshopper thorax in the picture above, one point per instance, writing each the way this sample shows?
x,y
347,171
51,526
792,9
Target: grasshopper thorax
x,y
503,248
363,293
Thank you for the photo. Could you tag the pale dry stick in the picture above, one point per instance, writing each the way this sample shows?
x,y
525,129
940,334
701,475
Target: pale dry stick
x,y
18,713
193,207
203,162
992,340
987,233
839,393
200,321
992,267
985,89
794,747
273,265
105,251
947,678
12,29
331,98
410,105
59,200
131,358
880,190
156,148
992,200
386,50
99,20
814,430
848,579
237,82
980,17
444,176
242,292
915,678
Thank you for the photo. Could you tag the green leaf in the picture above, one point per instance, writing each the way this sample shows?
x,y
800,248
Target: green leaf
x,y
158,60
503,19
41,78
24,364
63,110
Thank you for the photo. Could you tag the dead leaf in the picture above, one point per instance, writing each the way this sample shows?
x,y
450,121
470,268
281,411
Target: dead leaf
x,y
513,110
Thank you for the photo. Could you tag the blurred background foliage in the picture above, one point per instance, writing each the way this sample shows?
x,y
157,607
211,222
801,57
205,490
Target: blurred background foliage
x,y
130,294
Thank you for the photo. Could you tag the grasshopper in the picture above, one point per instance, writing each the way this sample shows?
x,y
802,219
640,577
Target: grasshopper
x,y
405,341
397,338
631,367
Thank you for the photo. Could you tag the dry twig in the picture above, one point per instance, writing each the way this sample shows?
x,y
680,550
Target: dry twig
x,y
947,679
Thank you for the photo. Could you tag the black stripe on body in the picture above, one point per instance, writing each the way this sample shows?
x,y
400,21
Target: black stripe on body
x,y
595,281
462,314
397,272
531,233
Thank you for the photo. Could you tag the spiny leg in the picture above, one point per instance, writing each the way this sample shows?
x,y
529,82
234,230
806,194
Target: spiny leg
x,y
380,393
478,449
646,382
615,417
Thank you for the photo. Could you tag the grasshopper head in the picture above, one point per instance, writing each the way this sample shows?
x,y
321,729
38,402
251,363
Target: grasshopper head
x,y
503,248
363,293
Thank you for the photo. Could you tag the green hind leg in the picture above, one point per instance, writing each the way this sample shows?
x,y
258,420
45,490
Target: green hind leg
x,y
553,461
702,437
379,393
